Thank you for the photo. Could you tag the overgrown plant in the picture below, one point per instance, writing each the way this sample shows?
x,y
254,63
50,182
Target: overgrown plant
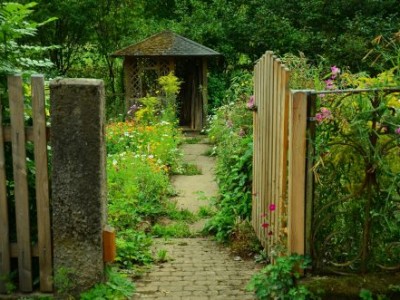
x,y
117,287
231,132
357,171
278,281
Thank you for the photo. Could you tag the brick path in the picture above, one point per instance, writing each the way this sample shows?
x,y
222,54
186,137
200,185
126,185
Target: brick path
x,y
196,268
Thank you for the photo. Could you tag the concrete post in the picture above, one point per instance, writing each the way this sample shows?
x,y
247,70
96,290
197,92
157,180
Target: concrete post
x,y
78,184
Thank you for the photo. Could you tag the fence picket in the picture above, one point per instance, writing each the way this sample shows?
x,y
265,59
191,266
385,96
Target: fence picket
x,y
42,183
20,182
4,236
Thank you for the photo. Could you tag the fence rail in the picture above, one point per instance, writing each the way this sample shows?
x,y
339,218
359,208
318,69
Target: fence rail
x,y
18,134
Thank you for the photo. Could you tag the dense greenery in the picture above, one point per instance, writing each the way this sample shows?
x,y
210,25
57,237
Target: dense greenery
x,y
231,132
340,32
357,170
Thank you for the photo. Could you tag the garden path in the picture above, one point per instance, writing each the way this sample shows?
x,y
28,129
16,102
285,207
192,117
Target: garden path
x,y
196,268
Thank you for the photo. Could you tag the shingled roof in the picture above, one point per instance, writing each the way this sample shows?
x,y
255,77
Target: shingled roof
x,y
166,43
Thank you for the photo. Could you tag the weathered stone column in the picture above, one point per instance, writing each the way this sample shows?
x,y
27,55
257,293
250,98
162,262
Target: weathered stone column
x,y
78,183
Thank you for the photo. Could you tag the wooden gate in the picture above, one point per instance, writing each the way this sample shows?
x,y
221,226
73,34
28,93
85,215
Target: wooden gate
x,y
279,159
23,249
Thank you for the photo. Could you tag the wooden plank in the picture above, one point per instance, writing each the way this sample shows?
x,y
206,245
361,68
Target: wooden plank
x,y
296,176
14,250
20,181
254,207
284,160
261,153
4,227
269,146
278,148
42,183
28,133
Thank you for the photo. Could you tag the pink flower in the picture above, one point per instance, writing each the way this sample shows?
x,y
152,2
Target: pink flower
x,y
329,84
264,225
319,117
250,103
397,131
324,113
335,70
272,207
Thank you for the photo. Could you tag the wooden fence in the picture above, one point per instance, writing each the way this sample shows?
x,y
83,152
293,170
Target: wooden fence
x,y
18,135
279,160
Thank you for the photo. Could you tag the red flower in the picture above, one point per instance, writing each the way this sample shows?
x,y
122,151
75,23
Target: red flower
x,y
270,233
272,207
264,225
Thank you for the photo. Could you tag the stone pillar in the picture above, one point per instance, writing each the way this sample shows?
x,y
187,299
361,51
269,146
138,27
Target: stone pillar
x,y
78,183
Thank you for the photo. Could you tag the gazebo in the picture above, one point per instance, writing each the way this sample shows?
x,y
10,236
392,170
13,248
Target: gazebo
x,y
157,56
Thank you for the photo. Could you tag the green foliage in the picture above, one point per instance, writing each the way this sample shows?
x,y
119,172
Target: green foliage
x,y
143,196
133,247
357,170
117,287
162,256
206,211
279,280
16,24
188,169
174,230
231,131
64,280
8,282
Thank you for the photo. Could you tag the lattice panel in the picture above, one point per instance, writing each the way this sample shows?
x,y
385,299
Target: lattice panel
x,y
164,67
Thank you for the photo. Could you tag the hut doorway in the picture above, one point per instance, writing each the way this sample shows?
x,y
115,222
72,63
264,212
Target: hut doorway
x,y
187,71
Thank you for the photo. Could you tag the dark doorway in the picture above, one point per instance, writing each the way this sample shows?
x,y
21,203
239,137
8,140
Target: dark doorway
x,y
187,70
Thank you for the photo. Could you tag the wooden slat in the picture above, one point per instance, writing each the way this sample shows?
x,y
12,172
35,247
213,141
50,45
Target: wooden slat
x,y
268,148
20,181
254,207
42,183
14,250
4,227
296,176
284,160
278,147
28,134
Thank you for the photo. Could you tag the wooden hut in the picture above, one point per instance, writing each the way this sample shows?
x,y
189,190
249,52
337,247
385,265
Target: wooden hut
x,y
160,54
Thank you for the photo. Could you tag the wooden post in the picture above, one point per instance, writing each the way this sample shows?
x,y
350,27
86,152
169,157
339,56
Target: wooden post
x,y
4,228
297,171
42,183
20,181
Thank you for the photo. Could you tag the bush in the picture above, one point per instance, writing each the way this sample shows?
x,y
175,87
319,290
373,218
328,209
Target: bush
x,y
231,131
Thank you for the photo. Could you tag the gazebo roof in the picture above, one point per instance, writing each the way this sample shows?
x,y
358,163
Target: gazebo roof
x,y
166,43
